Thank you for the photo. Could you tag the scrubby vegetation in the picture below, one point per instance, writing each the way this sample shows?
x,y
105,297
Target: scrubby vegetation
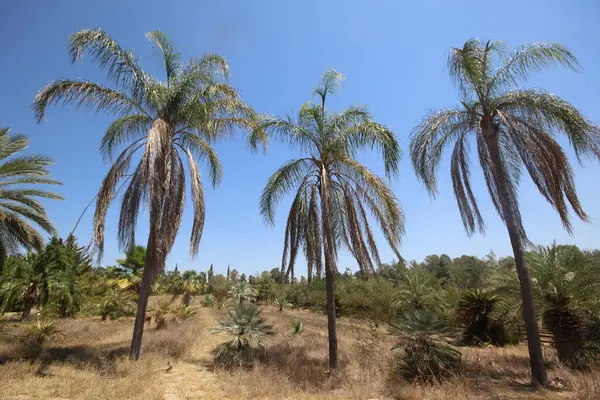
x,y
436,324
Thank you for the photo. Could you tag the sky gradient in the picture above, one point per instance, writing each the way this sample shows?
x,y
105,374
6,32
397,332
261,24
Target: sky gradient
x,y
393,55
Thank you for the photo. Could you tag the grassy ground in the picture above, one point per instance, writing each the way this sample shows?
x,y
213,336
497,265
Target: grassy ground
x,y
90,362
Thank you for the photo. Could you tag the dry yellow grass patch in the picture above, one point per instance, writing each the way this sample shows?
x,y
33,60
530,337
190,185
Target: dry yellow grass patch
x,y
90,362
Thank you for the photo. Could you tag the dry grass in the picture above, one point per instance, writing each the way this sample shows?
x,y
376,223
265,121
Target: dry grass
x,y
89,362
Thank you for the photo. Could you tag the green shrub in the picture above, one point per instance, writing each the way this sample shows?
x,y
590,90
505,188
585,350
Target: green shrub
x,y
114,304
297,327
186,312
208,300
422,356
423,360
247,332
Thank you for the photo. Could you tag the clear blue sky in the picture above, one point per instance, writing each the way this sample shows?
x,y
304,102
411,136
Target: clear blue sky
x,y
393,55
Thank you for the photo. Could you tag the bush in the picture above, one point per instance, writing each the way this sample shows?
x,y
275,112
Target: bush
x,y
474,309
114,304
297,327
247,331
208,300
186,312
422,356
424,360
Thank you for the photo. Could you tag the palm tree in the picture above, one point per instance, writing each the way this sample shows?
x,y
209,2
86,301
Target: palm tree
x,y
241,292
565,286
27,281
474,308
329,181
416,292
159,122
511,126
19,206
247,331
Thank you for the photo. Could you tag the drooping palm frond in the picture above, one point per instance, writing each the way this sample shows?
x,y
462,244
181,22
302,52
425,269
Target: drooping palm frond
x,y
521,123
330,173
199,106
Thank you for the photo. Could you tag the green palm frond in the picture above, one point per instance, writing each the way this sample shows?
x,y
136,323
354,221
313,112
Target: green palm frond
x,y
19,205
159,124
333,193
169,53
520,124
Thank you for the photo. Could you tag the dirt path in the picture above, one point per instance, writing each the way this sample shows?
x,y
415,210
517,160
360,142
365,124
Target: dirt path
x,y
191,378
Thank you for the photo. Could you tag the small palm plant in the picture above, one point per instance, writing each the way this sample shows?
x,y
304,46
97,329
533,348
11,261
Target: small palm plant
x,y
474,308
186,312
27,282
415,291
242,292
424,357
160,312
115,303
208,300
41,331
297,327
565,285
247,331
282,303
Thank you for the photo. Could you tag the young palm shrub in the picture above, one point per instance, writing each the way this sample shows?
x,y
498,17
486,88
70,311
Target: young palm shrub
x,y
416,291
242,292
162,124
474,309
115,304
297,327
423,357
186,312
511,127
247,332
282,303
19,204
160,312
334,193
41,331
25,285
208,300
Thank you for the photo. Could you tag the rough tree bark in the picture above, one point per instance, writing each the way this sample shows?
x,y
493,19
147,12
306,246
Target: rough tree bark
x,y
329,245
150,264
536,358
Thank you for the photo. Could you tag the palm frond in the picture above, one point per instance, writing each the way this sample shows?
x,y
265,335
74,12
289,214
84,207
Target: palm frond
x,y
169,53
82,94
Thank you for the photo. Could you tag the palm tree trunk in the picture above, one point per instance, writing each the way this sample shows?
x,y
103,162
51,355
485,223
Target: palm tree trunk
x,y
147,277
330,267
536,358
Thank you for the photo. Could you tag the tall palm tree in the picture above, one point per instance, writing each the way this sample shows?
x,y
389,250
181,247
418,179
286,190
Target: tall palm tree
x,y
19,207
333,190
159,122
511,127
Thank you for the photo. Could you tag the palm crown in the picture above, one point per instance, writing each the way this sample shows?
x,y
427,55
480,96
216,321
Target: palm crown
x,y
522,121
330,142
19,206
162,122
